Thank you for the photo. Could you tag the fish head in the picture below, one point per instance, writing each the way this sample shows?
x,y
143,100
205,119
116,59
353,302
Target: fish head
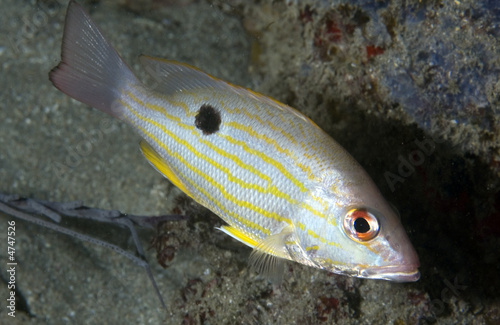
x,y
384,249
364,237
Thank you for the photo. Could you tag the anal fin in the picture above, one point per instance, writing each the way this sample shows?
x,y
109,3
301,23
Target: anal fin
x,y
161,166
239,236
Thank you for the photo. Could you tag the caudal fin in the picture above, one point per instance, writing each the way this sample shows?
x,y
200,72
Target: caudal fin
x,y
90,70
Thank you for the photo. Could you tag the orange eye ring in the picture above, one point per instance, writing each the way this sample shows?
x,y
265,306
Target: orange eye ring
x,y
361,225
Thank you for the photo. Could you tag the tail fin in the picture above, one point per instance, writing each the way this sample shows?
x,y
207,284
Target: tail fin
x,y
90,70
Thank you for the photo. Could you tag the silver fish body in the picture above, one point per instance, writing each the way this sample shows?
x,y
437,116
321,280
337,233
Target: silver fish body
x,y
283,186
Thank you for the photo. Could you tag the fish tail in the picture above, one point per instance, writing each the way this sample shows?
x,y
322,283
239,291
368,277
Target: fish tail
x,y
90,71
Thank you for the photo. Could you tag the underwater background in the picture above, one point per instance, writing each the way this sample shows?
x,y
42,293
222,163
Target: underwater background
x,y
410,88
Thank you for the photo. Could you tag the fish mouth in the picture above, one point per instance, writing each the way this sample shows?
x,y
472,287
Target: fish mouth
x,y
396,273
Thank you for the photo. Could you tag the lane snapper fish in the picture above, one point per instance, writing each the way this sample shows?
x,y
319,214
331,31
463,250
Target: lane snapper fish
x,y
284,187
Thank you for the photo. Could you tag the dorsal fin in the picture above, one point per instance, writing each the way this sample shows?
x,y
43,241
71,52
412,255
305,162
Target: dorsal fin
x,y
171,76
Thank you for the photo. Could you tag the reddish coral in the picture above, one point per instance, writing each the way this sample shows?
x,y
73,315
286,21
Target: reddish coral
x,y
372,50
325,307
416,298
330,32
306,15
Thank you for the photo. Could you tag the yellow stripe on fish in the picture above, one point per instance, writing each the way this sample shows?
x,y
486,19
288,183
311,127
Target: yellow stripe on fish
x,y
283,186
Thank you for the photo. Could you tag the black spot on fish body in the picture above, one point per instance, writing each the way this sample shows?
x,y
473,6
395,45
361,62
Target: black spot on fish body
x,y
207,119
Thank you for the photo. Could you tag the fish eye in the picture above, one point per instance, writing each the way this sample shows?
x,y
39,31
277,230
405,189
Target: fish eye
x,y
361,225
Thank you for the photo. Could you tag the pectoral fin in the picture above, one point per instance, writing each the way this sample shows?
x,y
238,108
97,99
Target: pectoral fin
x,y
268,255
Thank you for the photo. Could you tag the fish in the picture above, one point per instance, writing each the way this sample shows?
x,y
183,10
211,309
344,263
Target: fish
x,y
279,182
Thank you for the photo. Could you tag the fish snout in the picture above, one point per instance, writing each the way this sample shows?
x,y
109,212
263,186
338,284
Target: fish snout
x,y
402,264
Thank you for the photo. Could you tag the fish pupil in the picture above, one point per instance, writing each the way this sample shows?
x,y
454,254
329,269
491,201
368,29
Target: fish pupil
x,y
207,119
361,225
